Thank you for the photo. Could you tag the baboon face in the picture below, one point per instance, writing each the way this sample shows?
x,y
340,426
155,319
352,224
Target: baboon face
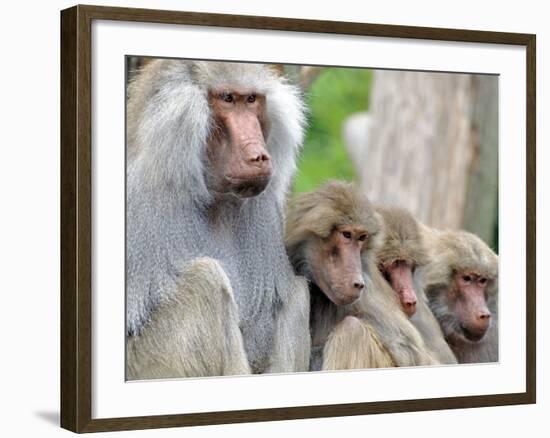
x,y
465,314
399,273
236,149
336,264
469,295
402,252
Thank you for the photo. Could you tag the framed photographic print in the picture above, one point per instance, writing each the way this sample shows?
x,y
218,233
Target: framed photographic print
x,y
307,214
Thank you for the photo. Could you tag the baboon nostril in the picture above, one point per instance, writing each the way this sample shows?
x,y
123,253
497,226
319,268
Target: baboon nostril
x,y
259,158
359,285
410,308
484,316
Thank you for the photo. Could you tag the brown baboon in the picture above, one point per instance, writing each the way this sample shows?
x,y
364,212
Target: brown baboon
x,y
210,154
401,253
332,236
461,283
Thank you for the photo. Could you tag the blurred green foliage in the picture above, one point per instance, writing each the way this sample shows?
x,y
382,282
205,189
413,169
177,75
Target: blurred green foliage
x,y
334,95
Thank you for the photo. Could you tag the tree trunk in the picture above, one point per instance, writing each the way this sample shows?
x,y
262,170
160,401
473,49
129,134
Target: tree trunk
x,y
430,144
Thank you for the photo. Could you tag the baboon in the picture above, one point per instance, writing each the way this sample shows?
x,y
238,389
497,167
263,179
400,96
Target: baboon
x,y
461,283
402,252
331,237
211,150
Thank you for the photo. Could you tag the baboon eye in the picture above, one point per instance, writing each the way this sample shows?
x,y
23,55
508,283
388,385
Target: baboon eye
x,y
482,280
251,98
227,97
363,237
467,278
346,234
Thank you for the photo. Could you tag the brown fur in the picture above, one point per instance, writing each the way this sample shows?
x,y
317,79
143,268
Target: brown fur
x,y
367,351
404,240
335,203
373,331
459,251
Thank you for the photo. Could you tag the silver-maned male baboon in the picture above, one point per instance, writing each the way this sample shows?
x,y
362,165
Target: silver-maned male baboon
x,y
331,236
402,252
210,154
461,283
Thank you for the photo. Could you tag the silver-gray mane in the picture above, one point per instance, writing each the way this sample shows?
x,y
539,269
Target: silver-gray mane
x,y
171,216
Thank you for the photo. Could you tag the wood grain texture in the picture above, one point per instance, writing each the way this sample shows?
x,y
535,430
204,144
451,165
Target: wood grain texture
x,y
531,213
69,321
76,225
429,143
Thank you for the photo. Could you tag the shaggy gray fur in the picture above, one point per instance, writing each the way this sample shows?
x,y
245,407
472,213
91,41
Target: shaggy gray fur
x,y
172,218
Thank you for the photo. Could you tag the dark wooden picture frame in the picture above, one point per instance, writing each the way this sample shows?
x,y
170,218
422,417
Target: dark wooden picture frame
x,y
76,218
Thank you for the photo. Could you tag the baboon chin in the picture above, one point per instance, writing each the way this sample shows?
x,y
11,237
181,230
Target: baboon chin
x,y
247,188
468,335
